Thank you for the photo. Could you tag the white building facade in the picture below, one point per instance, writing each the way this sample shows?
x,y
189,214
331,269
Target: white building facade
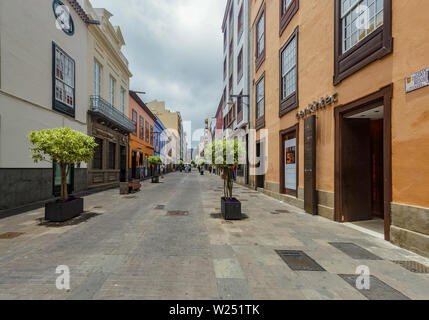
x,y
237,110
43,84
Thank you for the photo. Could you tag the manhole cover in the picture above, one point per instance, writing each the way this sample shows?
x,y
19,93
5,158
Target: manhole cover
x,y
378,290
177,213
275,212
299,261
10,235
160,207
354,251
413,266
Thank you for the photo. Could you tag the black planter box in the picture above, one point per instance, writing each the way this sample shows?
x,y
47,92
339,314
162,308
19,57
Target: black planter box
x,y
231,210
63,211
155,179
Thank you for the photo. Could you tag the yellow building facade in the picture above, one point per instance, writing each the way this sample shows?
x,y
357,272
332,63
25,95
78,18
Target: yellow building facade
x,y
341,88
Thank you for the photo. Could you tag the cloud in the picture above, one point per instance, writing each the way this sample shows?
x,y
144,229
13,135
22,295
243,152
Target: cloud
x,y
175,51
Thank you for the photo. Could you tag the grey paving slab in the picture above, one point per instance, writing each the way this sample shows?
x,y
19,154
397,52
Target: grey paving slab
x,y
132,250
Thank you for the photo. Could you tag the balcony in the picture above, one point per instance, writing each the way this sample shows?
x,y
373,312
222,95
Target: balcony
x,y
106,111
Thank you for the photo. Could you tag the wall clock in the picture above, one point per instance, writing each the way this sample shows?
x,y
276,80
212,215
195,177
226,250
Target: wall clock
x,y
64,20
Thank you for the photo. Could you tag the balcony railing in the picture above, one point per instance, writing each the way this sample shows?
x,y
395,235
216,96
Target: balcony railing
x,y
105,109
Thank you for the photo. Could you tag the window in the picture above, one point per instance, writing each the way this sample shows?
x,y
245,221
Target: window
x,y
240,23
224,69
260,39
359,19
288,9
141,128
112,155
64,82
151,135
122,100
363,34
260,103
231,58
147,131
225,38
230,86
112,90
289,75
97,78
97,160
135,122
240,65
231,23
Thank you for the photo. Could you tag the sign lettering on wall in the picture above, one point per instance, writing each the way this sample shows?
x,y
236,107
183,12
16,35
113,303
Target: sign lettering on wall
x,y
417,80
315,106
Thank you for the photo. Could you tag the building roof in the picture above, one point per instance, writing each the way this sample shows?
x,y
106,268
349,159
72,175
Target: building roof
x,y
140,102
81,13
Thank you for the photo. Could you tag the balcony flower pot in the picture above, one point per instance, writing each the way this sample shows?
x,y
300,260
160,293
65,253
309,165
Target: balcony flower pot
x,y
231,209
63,210
155,179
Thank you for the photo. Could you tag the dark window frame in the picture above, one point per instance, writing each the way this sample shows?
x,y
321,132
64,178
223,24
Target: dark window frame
x,y
289,103
240,65
134,113
112,155
141,129
147,131
373,47
151,135
57,105
260,122
240,23
286,17
259,59
97,160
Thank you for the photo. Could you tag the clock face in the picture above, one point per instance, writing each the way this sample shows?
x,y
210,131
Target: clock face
x,y
64,20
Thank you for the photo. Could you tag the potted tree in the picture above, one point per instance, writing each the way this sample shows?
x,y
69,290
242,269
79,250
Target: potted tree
x,y
193,164
224,155
154,162
181,165
67,148
201,164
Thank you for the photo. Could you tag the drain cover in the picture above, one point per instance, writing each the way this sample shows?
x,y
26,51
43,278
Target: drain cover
x,y
10,235
130,197
160,207
282,211
177,213
299,261
354,251
413,266
378,290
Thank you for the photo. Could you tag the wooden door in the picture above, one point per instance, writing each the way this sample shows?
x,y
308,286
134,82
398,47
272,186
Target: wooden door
x,y
290,164
310,193
356,170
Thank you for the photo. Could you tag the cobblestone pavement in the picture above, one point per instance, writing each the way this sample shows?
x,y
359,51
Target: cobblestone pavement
x,y
135,247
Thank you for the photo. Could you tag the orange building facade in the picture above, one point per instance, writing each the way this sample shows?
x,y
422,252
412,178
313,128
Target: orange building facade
x,y
141,141
341,88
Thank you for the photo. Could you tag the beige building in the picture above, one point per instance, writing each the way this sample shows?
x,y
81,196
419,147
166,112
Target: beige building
x,y
344,103
43,84
173,122
108,100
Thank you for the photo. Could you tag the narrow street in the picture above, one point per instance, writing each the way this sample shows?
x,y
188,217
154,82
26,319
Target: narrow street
x,y
168,242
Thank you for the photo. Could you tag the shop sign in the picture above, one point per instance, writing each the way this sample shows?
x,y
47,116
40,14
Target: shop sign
x,y
316,106
417,80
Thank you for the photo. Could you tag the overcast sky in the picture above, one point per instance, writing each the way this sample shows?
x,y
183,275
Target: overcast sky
x,y
175,51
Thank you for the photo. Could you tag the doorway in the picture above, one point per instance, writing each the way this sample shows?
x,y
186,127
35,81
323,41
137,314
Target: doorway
x,y
134,165
260,167
289,161
363,187
123,155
